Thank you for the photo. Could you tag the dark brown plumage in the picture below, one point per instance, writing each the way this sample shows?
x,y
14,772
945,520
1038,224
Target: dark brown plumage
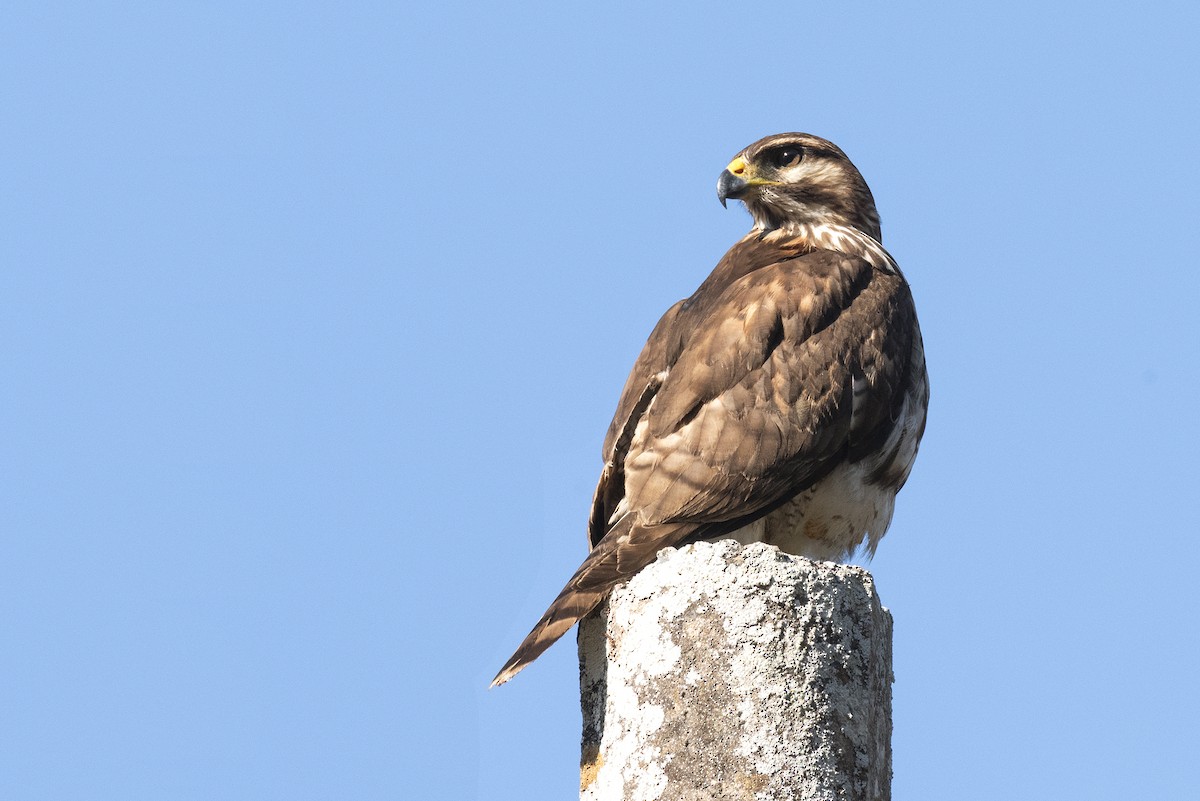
x,y
783,401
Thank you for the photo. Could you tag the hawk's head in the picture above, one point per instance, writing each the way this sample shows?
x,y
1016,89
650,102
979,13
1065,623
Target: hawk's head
x,y
796,178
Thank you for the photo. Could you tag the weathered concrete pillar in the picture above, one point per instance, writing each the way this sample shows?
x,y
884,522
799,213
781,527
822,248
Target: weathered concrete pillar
x,y
732,672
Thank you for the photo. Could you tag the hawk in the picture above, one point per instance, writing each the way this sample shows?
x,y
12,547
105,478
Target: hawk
x,y
782,402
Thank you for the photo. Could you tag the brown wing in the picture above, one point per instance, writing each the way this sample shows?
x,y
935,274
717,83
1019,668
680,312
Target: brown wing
x,y
745,394
784,370
660,351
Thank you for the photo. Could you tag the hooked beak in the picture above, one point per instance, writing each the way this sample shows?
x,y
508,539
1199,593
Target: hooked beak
x,y
730,186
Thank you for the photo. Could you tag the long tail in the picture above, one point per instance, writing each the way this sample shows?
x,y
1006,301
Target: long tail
x,y
614,559
567,609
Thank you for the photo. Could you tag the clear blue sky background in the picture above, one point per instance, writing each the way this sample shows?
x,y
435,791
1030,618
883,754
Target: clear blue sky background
x,y
312,318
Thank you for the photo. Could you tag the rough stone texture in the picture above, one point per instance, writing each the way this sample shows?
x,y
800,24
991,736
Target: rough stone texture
x,y
737,672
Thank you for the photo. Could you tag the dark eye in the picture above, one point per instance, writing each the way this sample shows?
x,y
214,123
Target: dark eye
x,y
786,156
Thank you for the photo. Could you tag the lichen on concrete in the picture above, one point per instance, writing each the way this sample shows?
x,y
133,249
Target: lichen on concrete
x,y
737,672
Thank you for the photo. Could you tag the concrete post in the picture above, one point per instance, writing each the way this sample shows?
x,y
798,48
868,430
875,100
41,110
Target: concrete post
x,y
733,672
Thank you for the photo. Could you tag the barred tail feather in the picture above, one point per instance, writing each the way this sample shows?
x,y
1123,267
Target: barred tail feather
x,y
566,610
623,552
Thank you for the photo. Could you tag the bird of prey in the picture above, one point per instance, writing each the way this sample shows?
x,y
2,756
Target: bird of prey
x,y
782,402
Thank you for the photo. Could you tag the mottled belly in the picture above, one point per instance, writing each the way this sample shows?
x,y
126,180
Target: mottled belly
x,y
830,520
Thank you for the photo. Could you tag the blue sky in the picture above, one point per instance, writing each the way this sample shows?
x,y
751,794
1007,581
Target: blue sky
x,y
312,318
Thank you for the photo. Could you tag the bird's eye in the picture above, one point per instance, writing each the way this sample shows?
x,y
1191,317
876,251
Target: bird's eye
x,y
786,156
